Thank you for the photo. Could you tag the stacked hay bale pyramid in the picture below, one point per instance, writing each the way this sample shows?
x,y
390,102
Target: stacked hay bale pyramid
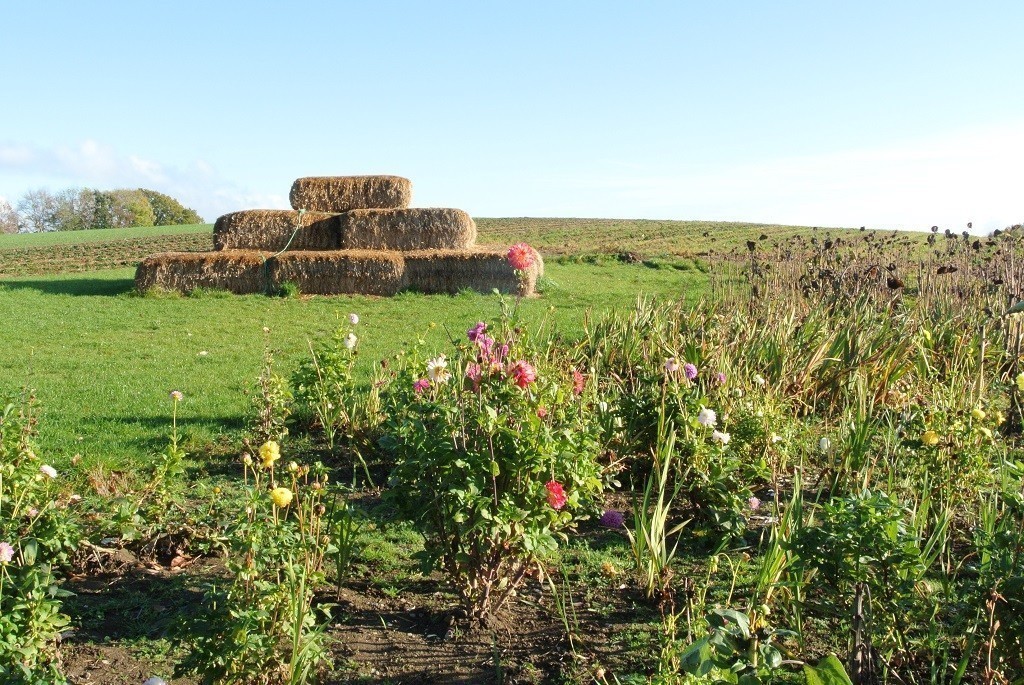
x,y
344,235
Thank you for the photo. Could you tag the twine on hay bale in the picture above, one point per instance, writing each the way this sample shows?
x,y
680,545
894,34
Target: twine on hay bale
x,y
340,272
344,193
482,269
271,229
407,229
240,271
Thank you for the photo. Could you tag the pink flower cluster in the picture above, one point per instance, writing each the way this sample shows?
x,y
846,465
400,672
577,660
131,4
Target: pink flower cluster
x,y
579,382
492,357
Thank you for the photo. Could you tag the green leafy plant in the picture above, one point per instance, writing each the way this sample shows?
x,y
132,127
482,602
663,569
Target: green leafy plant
x,y
736,649
37,536
271,402
324,385
262,627
495,459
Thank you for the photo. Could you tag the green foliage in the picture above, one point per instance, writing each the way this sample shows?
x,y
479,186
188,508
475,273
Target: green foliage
x,y
261,627
271,402
76,209
325,389
735,650
288,290
649,537
120,209
828,671
167,211
495,458
37,535
999,541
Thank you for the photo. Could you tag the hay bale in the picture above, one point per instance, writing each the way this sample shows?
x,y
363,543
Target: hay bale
x,y
343,193
481,269
340,272
270,229
240,271
407,229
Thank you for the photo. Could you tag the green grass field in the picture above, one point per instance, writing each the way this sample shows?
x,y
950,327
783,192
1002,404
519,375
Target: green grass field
x,y
96,236
103,359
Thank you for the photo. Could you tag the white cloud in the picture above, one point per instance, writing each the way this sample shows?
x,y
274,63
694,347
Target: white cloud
x,y
94,164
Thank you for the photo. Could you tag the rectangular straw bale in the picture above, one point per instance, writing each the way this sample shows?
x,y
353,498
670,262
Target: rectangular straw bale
x,y
342,193
340,272
271,229
480,269
407,229
239,271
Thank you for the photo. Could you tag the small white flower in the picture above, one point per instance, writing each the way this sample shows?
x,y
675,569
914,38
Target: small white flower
x,y
203,353
353,319
671,365
759,379
48,471
350,341
776,437
707,417
737,392
437,370
721,437
824,445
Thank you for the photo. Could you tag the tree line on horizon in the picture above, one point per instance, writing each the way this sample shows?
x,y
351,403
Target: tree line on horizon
x,y
78,209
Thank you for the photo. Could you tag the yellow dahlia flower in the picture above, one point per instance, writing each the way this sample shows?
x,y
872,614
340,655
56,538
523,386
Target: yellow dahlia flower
x,y
281,497
270,452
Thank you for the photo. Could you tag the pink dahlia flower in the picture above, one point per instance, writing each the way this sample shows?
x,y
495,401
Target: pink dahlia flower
x,y
523,374
556,494
521,256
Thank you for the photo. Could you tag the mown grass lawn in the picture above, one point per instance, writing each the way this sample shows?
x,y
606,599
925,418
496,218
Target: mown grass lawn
x,y
102,359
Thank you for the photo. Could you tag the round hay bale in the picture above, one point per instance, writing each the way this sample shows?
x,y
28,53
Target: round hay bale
x,y
240,271
407,229
340,272
343,193
480,269
270,229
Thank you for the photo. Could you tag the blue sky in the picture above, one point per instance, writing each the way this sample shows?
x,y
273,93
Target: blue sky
x,y
887,114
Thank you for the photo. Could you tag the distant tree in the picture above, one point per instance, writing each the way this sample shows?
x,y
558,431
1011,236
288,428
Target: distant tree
x,y
74,209
133,208
10,222
37,209
169,212
121,209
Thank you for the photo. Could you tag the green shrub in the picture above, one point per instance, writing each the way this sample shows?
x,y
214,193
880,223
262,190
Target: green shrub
x,y
495,459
